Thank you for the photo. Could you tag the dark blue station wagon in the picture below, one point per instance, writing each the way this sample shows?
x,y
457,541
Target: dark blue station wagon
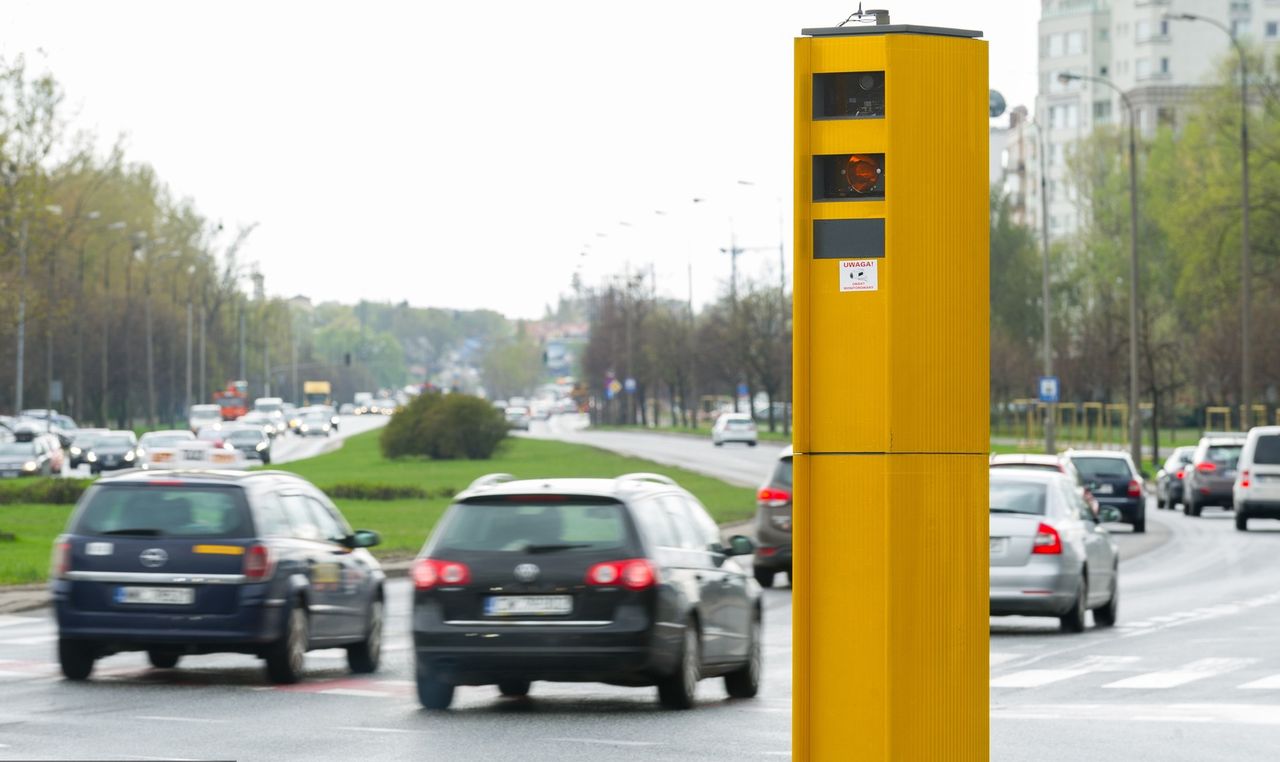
x,y
194,562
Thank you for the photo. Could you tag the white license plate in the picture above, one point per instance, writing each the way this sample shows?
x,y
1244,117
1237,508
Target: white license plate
x,y
167,596
997,545
521,605
1104,489
193,454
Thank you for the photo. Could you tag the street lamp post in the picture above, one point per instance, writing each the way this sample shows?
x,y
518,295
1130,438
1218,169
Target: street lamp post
x,y
55,210
1135,427
1050,445
1246,368
104,402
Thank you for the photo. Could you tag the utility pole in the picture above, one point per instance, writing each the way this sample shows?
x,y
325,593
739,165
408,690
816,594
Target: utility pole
x,y
190,318
784,315
104,403
733,251
242,375
22,310
204,318
1050,445
151,355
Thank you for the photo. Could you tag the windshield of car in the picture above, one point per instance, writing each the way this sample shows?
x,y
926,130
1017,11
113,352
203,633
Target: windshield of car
x,y
147,510
1012,496
1096,468
1267,452
1223,454
245,435
268,407
84,440
315,418
209,435
513,525
17,448
113,442
782,473
168,440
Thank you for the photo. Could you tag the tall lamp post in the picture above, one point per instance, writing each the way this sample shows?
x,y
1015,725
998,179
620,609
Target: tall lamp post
x,y
1246,368
1135,426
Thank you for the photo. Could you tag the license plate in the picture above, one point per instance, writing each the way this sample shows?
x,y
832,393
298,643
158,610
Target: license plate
x,y
193,454
161,457
166,596
997,546
1104,489
223,457
521,605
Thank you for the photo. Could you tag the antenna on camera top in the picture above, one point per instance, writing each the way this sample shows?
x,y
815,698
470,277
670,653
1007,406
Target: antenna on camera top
x,y
880,16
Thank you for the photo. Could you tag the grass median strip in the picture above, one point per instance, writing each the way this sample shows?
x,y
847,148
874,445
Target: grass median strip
x,y
404,522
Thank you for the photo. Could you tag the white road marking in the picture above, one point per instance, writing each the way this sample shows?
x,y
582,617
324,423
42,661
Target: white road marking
x,y
9,621
162,718
355,692
996,659
379,730
175,759
1032,678
604,742
1265,684
1222,714
1188,673
34,640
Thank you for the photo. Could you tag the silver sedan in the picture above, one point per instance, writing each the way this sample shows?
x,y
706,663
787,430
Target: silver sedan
x,y
1049,556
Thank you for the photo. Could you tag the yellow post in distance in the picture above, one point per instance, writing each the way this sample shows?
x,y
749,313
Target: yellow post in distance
x,y
891,395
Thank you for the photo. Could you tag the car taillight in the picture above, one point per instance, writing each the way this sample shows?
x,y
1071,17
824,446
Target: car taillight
x,y
1206,468
773,497
1244,478
432,572
60,563
1047,541
633,573
259,563
1135,488
1181,473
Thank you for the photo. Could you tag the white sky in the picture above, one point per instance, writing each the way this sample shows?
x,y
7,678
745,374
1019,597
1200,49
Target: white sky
x,y
466,154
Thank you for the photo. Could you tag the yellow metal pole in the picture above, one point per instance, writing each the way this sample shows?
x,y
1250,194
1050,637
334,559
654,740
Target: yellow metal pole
x,y
891,433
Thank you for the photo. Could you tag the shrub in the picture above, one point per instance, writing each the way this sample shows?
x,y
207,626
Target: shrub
x,y
366,491
44,491
445,427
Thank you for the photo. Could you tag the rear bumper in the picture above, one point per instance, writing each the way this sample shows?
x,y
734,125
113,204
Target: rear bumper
x,y
777,557
256,622
1131,508
1259,509
1040,588
630,650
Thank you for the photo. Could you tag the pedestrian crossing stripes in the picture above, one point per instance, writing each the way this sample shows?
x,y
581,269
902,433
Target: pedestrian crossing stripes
x,y
1137,673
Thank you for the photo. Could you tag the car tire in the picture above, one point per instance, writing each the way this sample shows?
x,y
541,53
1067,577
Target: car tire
x,y
744,682
1140,525
514,688
678,691
1242,522
363,657
764,576
433,693
1161,503
286,656
163,659
718,444
1189,507
76,658
751,444
1105,615
1073,620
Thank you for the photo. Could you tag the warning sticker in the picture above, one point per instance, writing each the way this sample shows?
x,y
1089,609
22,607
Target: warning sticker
x,y
859,275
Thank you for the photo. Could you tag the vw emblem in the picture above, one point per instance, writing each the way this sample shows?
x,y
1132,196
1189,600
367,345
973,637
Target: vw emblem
x,y
527,572
153,557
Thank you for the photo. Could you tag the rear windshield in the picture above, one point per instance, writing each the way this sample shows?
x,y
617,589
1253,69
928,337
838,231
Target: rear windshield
x,y
782,473
1017,497
1032,466
143,510
268,407
1268,452
245,436
1223,454
739,425
519,526
1102,468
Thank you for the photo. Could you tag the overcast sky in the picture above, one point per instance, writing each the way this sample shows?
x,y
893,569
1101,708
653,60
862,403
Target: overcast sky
x,y
469,154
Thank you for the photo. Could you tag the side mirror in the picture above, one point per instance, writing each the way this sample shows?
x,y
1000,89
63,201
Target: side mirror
x,y
1108,514
365,538
740,545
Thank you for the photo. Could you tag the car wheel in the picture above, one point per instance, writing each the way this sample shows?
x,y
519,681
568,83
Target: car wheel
x,y
1140,525
764,576
751,444
286,656
433,693
718,444
76,658
1189,507
1105,616
514,688
678,690
744,682
1161,503
1242,522
163,659
363,657
1073,620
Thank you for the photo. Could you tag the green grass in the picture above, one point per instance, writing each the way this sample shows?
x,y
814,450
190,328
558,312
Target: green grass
x,y
763,434
404,524
26,559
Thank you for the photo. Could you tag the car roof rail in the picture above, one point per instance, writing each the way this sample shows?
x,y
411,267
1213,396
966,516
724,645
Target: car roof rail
x,y
646,476
488,480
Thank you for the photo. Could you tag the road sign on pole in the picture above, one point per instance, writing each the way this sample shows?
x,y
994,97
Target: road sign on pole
x,y
891,394
1049,389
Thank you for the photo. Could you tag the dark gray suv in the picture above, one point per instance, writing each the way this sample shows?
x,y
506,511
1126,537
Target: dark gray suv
x,y
773,523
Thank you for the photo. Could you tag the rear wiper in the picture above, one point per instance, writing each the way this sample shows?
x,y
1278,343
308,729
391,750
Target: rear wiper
x,y
552,548
136,532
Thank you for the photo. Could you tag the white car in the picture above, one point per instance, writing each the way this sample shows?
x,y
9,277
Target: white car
x,y
1256,493
204,415
734,427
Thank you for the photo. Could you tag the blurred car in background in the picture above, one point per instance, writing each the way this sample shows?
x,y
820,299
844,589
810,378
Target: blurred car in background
x,y
1114,480
382,406
216,437
168,437
734,427
773,522
316,423
517,418
1172,476
251,442
347,408
1256,492
81,443
292,417
260,420
1042,462
1211,476
113,451
1049,555
29,458
201,416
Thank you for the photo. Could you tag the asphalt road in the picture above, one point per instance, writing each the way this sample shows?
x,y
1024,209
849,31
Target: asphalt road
x,y
1191,673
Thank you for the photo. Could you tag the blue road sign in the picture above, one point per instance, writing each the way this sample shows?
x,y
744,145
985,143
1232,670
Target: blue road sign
x,y
630,385
1048,388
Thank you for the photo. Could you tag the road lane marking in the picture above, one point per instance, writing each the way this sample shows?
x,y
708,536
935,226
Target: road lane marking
x,y
1265,684
1221,714
1032,678
358,692
162,718
996,659
1188,673
379,730
34,640
604,742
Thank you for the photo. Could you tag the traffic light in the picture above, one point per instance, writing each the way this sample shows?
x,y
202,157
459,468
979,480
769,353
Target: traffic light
x,y
891,394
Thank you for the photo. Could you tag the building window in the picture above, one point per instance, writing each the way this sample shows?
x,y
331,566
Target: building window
x,y
1240,27
1142,31
1142,68
1273,29
1075,43
1102,70
1164,65
1102,111
1056,45
1164,27
1104,34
